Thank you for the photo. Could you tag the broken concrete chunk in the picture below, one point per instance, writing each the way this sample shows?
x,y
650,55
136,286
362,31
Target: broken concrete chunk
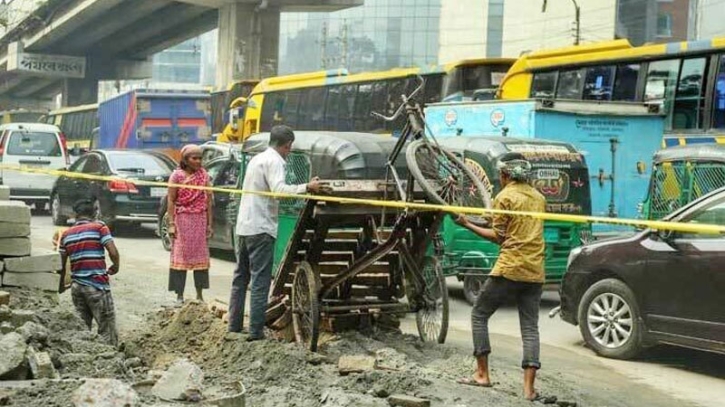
x,y
13,365
400,400
37,262
4,193
6,328
4,297
41,366
8,229
14,212
355,364
14,246
182,381
32,332
5,313
105,393
20,317
42,281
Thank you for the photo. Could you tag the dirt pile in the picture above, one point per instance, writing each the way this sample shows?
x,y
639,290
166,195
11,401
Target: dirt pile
x,y
283,374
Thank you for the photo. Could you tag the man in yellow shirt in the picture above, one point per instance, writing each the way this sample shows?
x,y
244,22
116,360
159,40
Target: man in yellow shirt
x,y
518,273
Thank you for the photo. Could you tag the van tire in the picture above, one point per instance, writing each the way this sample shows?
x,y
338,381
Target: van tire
x,y
55,211
611,295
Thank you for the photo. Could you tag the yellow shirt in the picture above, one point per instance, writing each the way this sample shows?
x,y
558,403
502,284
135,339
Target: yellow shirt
x,y
522,238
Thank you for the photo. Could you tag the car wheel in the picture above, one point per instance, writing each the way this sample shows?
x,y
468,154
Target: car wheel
x,y
609,320
164,232
55,212
472,286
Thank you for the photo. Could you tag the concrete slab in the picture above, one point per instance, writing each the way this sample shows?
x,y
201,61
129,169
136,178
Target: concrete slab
x,y
14,212
39,261
8,229
42,281
14,247
4,193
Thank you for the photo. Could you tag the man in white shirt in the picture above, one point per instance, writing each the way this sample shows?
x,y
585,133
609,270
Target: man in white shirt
x,y
257,230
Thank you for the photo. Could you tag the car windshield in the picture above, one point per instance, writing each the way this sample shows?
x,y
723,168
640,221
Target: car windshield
x,y
34,144
139,163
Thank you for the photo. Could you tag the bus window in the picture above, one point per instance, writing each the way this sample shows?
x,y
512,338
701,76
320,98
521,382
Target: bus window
x,y
333,107
625,83
271,110
598,83
362,106
569,85
661,85
718,105
543,85
433,88
291,105
380,96
396,89
690,97
347,102
312,109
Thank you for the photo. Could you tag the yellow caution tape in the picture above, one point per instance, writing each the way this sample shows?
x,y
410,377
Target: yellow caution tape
x,y
656,225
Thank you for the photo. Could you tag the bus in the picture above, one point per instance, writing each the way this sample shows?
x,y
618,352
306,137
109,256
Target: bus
x,y
21,116
337,101
686,80
225,103
77,123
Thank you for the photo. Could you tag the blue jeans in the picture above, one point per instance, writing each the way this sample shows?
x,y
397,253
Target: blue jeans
x,y
254,265
496,290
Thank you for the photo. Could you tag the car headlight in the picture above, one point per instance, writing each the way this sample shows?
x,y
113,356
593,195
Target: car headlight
x,y
573,255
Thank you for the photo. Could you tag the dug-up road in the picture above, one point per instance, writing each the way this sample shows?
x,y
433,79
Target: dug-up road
x,y
664,376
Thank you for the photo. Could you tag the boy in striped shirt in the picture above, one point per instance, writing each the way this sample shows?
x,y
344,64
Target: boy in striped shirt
x,y
85,244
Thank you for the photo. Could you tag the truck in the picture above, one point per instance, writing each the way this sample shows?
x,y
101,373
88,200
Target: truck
x,y
154,119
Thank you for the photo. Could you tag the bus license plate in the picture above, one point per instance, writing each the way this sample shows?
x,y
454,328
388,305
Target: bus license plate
x,y
158,192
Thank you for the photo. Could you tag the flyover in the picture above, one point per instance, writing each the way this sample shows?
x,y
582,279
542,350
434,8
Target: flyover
x,y
116,39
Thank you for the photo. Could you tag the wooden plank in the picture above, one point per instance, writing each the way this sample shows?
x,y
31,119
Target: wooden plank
x,y
374,280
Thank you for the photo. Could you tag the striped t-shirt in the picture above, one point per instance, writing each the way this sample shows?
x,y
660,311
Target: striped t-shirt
x,y
84,244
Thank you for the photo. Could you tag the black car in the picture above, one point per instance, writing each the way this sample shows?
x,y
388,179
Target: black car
x,y
651,287
119,200
224,172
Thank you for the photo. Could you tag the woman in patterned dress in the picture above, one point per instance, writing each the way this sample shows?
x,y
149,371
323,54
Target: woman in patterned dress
x,y
190,226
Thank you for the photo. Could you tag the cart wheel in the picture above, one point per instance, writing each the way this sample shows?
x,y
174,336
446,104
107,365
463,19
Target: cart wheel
x,y
306,306
472,286
432,316
446,179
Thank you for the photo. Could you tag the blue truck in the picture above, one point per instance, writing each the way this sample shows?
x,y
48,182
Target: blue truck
x,y
616,139
154,119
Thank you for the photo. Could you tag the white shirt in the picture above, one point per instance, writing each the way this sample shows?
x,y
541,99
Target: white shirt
x,y
258,214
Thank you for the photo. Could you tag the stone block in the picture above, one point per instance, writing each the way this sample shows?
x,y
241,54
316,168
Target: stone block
x,y
39,261
4,193
41,281
8,229
13,365
14,246
400,400
355,364
41,366
182,381
105,393
20,317
14,212
4,298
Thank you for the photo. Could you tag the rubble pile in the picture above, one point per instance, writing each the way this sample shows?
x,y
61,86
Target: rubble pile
x,y
20,266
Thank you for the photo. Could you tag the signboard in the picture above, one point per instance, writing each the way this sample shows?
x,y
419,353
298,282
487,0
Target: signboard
x,y
47,65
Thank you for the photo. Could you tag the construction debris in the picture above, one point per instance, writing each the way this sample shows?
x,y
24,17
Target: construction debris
x,y
105,393
355,364
398,400
182,381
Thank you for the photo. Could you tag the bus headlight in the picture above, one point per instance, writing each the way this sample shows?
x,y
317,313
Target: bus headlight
x,y
573,255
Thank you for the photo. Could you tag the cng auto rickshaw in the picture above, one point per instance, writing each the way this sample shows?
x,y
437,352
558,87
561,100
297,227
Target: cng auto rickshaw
x,y
559,172
682,174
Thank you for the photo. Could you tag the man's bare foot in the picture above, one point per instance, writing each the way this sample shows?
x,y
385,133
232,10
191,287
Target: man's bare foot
x,y
476,380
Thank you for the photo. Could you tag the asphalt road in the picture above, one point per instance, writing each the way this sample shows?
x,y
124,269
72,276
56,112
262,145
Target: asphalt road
x,y
664,376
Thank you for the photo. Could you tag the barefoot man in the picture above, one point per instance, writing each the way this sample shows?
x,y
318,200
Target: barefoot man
x,y
518,273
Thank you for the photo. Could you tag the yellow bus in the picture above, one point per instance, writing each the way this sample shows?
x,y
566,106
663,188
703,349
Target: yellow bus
x,y
224,104
685,79
77,123
21,116
336,101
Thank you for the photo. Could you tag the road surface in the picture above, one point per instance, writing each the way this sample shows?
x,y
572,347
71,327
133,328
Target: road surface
x,y
665,376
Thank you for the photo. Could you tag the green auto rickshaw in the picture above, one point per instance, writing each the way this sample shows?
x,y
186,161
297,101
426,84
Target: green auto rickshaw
x,y
560,173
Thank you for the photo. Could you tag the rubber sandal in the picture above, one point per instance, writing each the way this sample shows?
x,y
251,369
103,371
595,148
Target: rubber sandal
x,y
544,399
471,382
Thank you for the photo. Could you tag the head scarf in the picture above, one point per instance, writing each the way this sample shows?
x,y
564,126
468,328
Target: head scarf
x,y
515,166
190,149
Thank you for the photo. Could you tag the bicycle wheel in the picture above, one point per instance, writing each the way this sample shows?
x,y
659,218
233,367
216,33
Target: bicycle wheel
x,y
446,179
432,316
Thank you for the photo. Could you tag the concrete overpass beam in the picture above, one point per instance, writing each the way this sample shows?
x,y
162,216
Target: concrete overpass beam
x,y
248,42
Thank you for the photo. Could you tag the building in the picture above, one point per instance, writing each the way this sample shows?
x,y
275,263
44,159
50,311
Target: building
x,y
709,19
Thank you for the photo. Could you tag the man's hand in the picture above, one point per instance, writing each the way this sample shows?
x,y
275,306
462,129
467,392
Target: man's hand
x,y
461,220
172,231
314,185
113,270
209,232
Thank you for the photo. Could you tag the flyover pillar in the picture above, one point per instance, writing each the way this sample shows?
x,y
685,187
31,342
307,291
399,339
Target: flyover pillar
x,y
80,91
248,42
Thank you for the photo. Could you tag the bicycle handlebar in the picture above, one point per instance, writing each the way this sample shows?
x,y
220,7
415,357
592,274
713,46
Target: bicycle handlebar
x,y
406,101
